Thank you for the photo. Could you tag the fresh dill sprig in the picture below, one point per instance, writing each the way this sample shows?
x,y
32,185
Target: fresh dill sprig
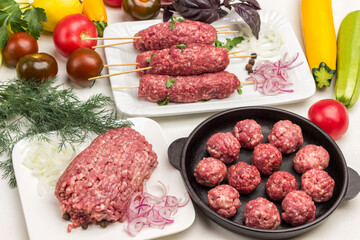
x,y
32,110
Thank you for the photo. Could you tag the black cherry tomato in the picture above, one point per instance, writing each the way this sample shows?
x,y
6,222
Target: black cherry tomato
x,y
141,9
37,66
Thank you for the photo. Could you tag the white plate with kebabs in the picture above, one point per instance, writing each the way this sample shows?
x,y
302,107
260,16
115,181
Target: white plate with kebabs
x,y
173,84
43,206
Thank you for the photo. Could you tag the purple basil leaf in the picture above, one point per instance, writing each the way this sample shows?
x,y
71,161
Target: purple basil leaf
x,y
206,11
250,16
167,13
226,3
222,13
252,3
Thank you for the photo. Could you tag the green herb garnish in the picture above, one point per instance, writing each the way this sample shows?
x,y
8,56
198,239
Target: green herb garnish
x,y
230,43
33,110
28,21
170,82
239,90
149,59
164,102
181,46
173,21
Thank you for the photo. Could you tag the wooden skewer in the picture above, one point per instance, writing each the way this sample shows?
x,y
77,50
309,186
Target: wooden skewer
x,y
236,52
119,65
222,32
115,74
244,56
113,44
129,87
109,38
227,26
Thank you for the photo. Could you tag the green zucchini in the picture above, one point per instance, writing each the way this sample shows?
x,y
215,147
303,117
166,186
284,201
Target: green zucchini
x,y
347,86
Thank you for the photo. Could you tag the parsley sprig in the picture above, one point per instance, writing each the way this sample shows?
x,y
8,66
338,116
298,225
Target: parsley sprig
x,y
230,43
173,21
12,15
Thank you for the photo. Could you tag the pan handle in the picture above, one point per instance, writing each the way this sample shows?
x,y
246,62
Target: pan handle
x,y
174,152
353,185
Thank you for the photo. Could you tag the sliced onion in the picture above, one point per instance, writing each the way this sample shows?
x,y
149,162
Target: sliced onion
x,y
272,78
47,162
147,210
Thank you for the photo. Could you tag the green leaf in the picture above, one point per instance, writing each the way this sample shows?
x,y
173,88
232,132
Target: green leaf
x,y
6,3
181,46
149,59
3,36
239,90
165,102
230,43
170,82
173,21
34,16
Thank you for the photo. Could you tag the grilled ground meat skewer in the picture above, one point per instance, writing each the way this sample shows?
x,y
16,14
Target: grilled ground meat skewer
x,y
164,35
191,59
188,88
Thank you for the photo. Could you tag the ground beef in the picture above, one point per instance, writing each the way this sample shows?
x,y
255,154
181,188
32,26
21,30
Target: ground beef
x,y
311,156
224,200
162,35
98,184
188,88
266,158
261,213
279,184
286,136
249,133
318,185
298,208
223,146
210,172
244,177
193,59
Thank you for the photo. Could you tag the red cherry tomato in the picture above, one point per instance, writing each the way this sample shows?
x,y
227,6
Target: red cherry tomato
x,y
83,64
113,3
70,32
18,45
331,116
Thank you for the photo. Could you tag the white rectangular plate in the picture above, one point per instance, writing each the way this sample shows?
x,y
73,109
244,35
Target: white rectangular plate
x,y
43,213
128,102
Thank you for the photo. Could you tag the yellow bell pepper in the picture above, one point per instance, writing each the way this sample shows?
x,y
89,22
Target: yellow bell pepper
x,y
96,12
320,39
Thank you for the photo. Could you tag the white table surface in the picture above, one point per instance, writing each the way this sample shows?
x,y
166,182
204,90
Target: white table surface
x,y
343,223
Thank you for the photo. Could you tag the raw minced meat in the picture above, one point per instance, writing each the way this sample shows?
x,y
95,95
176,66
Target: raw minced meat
x,y
210,172
286,136
249,133
261,213
224,199
279,184
223,146
267,158
98,184
318,185
298,208
244,177
311,156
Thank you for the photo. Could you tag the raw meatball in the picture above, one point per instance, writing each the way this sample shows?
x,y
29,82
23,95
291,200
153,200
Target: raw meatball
x,y
318,185
224,199
279,184
298,208
286,136
248,132
210,172
311,156
261,213
243,177
266,158
223,146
